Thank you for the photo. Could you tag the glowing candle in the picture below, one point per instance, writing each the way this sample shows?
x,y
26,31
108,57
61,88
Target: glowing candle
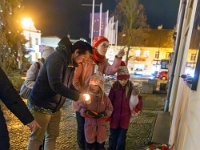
x,y
87,98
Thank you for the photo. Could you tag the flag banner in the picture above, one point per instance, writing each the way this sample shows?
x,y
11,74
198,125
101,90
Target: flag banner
x,y
110,31
97,24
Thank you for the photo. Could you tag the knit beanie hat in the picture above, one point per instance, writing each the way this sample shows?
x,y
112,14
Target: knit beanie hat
x,y
47,51
123,72
97,79
97,40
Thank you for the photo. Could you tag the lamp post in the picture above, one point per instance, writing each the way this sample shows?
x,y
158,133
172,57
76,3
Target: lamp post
x,y
159,28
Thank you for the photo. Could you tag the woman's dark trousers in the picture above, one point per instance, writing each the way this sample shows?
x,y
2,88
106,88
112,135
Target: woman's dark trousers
x,y
80,131
117,139
4,137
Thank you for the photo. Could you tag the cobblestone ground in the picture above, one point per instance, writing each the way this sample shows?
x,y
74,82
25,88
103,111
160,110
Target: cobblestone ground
x,y
138,136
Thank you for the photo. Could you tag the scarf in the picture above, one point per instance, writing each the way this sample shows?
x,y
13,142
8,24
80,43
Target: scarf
x,y
96,57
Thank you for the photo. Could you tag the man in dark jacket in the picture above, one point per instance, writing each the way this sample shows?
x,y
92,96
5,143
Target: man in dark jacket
x,y
15,104
52,87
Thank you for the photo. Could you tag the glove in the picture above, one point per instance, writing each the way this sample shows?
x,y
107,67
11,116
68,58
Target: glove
x,y
90,114
102,115
108,119
135,112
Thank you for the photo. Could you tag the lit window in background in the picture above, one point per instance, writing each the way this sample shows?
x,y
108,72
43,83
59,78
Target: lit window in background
x,y
137,53
146,54
157,54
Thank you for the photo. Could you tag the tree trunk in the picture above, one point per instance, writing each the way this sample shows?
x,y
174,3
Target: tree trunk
x,y
127,55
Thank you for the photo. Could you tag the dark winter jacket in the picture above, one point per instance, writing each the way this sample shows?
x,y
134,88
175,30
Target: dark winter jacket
x,y
121,110
12,100
54,80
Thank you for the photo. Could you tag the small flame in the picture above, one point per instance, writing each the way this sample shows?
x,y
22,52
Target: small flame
x,y
87,97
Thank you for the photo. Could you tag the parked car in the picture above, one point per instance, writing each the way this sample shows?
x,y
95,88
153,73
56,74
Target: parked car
x,y
138,71
163,75
109,78
154,74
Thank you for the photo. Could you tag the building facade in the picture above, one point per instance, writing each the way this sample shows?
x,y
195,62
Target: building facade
x,y
146,58
184,101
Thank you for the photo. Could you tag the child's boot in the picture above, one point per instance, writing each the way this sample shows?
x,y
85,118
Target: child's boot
x,y
101,146
90,146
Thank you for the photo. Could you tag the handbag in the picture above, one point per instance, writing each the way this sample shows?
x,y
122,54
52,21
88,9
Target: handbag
x,y
25,91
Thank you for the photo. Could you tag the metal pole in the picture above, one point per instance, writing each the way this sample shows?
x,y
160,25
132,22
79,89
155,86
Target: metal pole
x,y
92,28
179,28
116,32
100,19
107,18
112,27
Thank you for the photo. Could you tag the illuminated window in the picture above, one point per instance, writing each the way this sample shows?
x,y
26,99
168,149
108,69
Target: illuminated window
x,y
167,55
36,41
137,53
157,54
30,41
193,57
146,54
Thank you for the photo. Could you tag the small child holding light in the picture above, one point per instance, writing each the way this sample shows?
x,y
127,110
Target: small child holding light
x,y
96,111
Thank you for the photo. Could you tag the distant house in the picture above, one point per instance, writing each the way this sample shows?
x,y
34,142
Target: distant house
x,y
33,36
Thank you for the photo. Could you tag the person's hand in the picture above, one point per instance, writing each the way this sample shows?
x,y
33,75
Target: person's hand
x,y
33,125
90,114
121,52
83,98
102,115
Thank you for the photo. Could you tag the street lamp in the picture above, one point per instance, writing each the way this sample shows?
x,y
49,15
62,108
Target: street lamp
x,y
27,23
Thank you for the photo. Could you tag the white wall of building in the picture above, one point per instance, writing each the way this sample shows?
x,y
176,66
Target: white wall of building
x,y
185,103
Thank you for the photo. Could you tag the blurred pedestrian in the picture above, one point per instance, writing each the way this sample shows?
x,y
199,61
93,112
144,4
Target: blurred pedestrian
x,y
96,63
15,104
52,87
119,95
33,71
96,112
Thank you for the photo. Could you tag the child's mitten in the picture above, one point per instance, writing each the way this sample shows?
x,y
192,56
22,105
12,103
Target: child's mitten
x,y
90,114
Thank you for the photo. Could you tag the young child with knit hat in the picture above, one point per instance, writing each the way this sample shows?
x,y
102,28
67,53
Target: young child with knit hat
x,y
96,113
96,63
119,95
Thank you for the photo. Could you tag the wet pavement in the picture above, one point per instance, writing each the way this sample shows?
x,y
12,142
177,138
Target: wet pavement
x,y
138,137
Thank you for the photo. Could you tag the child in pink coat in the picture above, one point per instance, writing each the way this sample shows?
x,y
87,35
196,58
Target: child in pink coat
x,y
119,95
96,112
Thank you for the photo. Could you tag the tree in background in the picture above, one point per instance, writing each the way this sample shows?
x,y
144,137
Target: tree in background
x,y
12,39
132,23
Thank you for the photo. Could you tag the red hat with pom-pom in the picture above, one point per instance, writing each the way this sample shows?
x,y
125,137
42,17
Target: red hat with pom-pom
x,y
123,72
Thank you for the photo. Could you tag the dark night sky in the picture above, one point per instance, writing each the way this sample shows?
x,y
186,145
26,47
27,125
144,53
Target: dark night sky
x,y
62,17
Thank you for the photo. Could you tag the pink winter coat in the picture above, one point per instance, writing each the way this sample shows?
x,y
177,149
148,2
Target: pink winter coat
x,y
84,71
121,114
95,129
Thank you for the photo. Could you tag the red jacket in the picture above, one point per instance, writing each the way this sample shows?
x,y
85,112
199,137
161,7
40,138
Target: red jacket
x,y
121,114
